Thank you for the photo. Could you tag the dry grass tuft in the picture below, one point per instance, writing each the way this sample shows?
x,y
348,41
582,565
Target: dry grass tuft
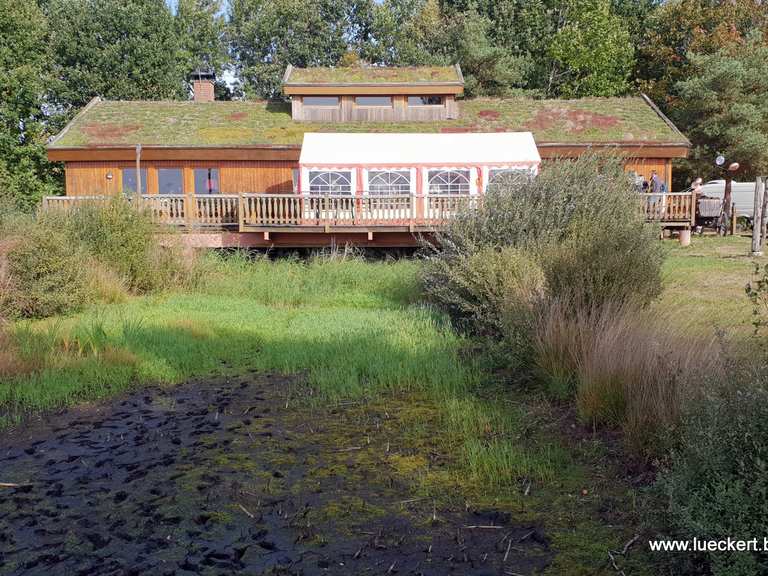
x,y
11,362
629,367
105,284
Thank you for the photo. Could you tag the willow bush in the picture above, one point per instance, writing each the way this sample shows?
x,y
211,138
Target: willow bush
x,y
579,220
56,262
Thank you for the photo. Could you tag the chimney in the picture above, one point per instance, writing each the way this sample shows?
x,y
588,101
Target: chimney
x,y
202,85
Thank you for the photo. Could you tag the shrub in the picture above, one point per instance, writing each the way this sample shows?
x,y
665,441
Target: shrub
x,y
42,273
124,240
491,292
58,261
718,482
580,220
628,367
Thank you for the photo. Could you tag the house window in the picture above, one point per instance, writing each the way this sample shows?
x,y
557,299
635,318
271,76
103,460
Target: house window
x,y
170,181
374,101
389,182
129,180
414,101
206,180
449,182
330,182
321,101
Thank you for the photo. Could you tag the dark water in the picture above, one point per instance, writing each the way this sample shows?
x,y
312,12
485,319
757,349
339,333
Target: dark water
x,y
221,477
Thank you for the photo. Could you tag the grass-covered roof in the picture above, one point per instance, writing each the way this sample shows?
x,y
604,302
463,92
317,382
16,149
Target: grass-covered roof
x,y
372,75
186,124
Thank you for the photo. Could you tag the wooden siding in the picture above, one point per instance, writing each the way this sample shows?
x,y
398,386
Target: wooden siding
x,y
272,177
91,178
454,88
275,177
399,111
645,166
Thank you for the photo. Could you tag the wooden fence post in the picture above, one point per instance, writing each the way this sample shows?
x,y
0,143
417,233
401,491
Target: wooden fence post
x,y
757,218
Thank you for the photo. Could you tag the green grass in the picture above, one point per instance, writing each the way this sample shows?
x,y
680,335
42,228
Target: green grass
x,y
704,284
175,123
372,74
358,330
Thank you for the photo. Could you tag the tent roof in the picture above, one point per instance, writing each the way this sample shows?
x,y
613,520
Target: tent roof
x,y
499,148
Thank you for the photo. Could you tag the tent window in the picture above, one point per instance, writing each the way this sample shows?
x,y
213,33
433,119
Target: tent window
x,y
389,182
206,180
449,182
330,182
500,175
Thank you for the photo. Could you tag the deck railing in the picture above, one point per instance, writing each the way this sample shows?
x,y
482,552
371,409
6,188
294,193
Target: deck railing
x,y
670,207
254,211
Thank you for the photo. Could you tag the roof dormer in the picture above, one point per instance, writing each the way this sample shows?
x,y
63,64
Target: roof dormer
x,y
374,93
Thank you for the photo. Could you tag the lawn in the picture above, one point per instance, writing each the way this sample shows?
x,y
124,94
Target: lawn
x,y
704,283
358,331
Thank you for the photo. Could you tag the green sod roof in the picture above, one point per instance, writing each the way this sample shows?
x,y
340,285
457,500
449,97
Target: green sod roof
x,y
190,124
373,75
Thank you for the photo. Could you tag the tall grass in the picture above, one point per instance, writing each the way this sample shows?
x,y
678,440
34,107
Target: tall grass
x,y
627,366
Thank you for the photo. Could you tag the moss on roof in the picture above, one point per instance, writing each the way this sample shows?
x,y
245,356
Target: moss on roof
x,y
185,124
373,75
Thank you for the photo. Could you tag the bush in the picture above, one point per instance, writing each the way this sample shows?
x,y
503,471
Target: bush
x,y
489,292
718,483
580,220
59,261
42,273
124,240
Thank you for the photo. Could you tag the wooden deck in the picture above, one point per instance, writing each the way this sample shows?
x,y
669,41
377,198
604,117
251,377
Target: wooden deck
x,y
293,212
314,214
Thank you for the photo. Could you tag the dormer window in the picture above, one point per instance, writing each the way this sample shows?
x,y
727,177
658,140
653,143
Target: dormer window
x,y
370,93
414,101
322,101
373,101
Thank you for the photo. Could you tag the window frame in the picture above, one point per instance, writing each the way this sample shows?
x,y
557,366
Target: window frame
x,y
466,173
142,171
313,174
372,173
425,97
331,106
390,104
160,170
217,180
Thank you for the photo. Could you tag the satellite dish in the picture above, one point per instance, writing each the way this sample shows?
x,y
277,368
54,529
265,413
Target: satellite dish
x,y
720,160
733,167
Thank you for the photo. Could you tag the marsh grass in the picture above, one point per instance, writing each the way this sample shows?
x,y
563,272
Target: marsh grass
x,y
354,329
628,366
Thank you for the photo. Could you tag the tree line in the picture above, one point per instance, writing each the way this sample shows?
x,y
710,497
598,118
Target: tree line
x,y
705,62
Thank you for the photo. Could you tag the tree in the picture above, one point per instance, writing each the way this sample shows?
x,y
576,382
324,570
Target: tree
x,y
488,69
723,103
25,174
201,32
118,49
593,51
678,28
267,35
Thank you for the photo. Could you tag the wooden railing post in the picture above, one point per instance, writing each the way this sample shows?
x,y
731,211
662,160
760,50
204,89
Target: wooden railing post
x,y
693,206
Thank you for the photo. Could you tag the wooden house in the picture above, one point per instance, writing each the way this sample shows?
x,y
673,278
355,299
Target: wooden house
x,y
237,173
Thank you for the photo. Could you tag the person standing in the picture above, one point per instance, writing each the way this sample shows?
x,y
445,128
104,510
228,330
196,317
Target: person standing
x,y
655,183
